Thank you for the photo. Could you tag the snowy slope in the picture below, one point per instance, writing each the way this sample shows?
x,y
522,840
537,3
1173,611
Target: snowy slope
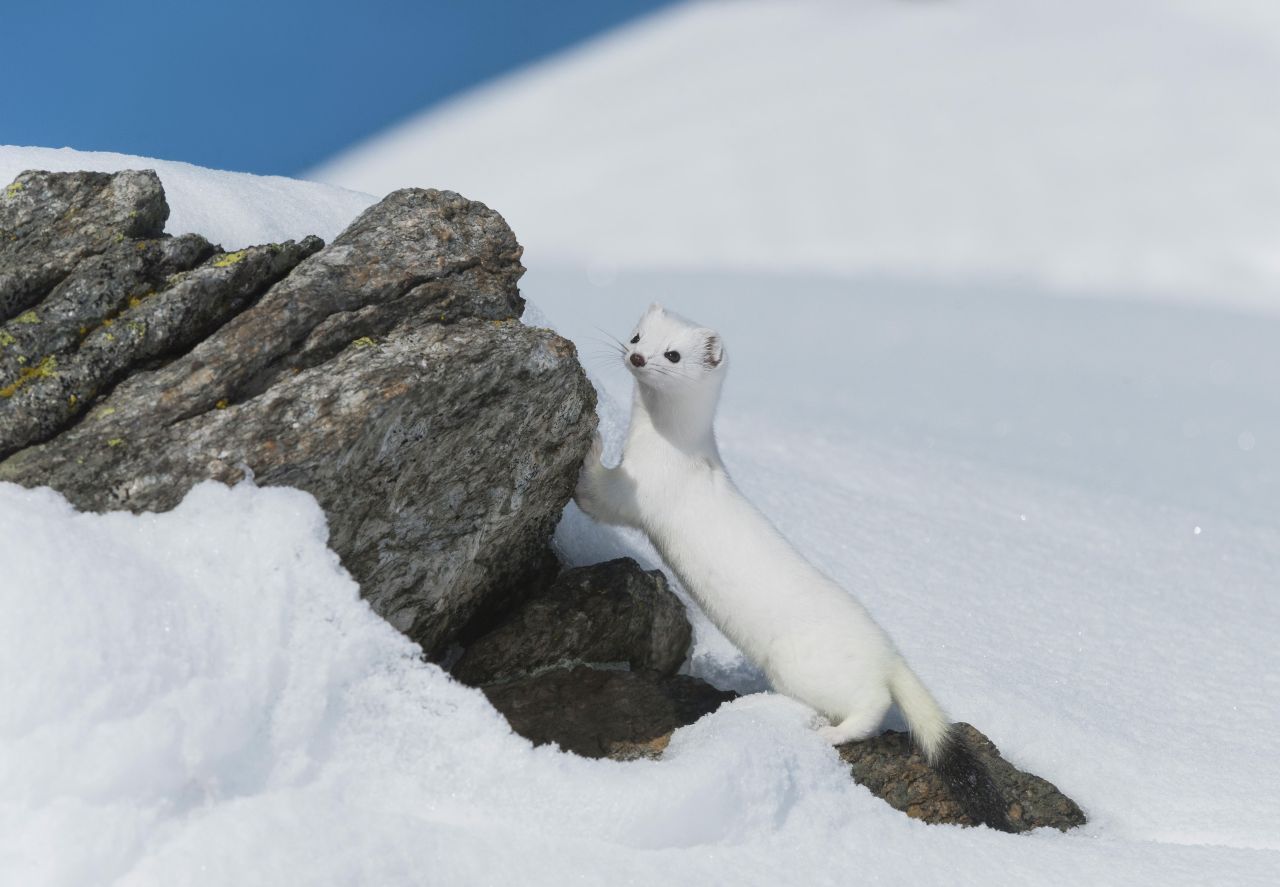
x,y
199,697
1090,146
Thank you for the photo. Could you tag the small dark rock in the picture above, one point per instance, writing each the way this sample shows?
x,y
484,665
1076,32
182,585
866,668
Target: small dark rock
x,y
894,770
606,613
600,712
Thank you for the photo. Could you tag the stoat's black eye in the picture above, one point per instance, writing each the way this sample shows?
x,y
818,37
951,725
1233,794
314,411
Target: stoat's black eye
x,y
673,356
635,340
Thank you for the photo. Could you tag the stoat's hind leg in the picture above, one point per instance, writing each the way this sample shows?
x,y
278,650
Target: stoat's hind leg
x,y
860,724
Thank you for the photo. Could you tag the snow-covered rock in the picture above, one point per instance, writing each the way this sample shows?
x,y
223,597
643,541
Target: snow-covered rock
x,y
387,374
231,209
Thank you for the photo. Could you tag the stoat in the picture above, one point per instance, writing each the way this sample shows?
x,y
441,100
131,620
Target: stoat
x,y
811,638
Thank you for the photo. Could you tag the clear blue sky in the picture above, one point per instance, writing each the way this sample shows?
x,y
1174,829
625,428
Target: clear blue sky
x,y
266,87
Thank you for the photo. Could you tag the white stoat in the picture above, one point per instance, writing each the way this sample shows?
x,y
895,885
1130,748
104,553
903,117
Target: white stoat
x,y
813,640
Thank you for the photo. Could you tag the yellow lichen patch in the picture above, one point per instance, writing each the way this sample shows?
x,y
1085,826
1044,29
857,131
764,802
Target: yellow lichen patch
x,y
107,321
229,259
364,342
6,339
72,400
27,317
137,327
104,412
115,441
13,189
26,375
222,404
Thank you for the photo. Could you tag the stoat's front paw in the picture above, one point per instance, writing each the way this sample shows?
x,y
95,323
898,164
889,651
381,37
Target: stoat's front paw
x,y
583,494
595,455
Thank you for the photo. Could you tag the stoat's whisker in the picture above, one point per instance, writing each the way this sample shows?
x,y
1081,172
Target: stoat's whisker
x,y
612,337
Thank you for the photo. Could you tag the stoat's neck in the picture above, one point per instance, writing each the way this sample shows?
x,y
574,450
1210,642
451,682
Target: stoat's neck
x,y
684,418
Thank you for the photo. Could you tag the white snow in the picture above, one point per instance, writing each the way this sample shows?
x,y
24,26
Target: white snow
x,y
1063,509
231,209
1091,146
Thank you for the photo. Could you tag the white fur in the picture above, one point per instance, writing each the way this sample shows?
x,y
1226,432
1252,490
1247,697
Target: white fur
x,y
813,640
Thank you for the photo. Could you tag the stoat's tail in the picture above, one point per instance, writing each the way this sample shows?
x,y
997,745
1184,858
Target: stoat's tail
x,y
964,775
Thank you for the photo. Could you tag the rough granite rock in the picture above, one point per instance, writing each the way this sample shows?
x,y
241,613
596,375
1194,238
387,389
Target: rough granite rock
x,y
49,222
97,290
49,391
387,374
607,613
602,712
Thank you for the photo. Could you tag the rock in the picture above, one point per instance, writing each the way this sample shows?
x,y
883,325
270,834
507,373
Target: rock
x,y
893,769
387,374
57,379
603,614
99,289
557,665
49,222
600,712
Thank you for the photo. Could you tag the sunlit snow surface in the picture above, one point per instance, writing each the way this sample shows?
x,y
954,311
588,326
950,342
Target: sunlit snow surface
x,y
1063,510
1091,145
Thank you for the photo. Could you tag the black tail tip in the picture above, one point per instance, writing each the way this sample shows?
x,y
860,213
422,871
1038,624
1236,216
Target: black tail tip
x,y
971,785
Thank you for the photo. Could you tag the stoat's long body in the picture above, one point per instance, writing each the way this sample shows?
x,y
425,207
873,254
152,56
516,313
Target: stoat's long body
x,y
812,639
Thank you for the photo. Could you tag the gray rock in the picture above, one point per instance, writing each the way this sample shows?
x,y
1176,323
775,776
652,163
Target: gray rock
x,y
893,769
613,612
47,393
49,222
600,712
97,290
387,374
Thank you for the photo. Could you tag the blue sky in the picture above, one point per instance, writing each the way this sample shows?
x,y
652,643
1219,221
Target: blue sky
x,y
265,87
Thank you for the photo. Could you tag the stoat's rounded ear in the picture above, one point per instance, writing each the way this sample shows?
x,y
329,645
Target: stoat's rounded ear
x,y
655,308
713,349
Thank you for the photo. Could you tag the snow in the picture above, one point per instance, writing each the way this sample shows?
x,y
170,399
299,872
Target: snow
x,y
231,209
1023,403
200,697
1090,146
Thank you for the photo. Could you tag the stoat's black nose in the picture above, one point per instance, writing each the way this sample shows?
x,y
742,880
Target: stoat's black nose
x,y
637,360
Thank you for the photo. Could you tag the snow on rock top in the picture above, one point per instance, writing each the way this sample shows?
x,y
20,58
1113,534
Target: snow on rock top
x,y
1086,146
231,209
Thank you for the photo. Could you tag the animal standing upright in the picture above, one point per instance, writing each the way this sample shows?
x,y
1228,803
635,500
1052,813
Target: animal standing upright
x,y
812,639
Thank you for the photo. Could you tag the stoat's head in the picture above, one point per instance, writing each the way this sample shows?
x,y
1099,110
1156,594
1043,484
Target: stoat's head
x,y
669,353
